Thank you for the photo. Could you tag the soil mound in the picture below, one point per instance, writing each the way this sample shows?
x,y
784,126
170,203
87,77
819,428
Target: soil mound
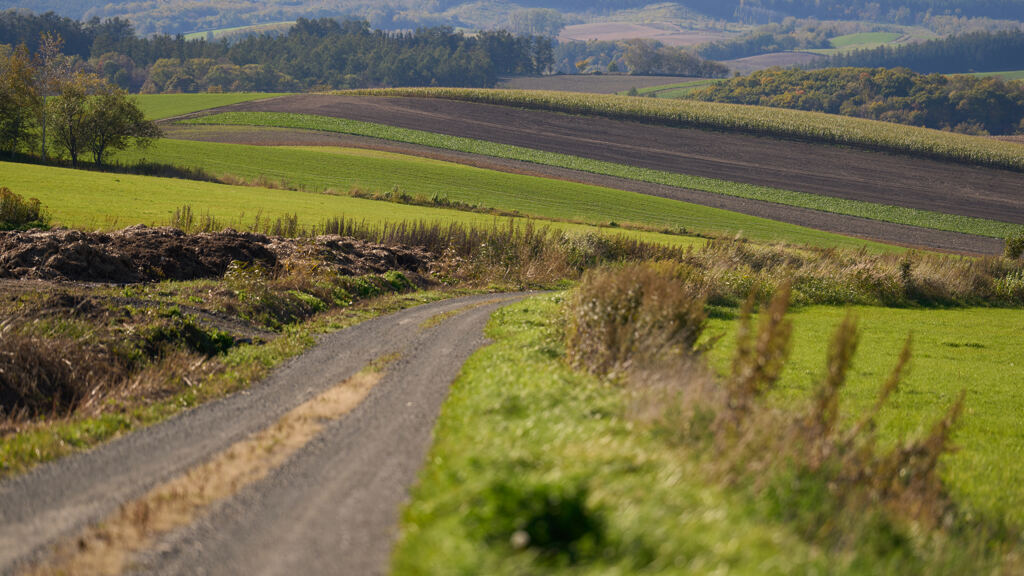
x,y
143,254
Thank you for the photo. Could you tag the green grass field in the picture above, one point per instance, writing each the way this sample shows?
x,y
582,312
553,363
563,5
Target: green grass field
x,y
234,31
317,169
95,200
908,216
864,39
974,349
1009,75
161,106
676,90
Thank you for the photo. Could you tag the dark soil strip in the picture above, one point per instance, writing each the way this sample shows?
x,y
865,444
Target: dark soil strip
x,y
819,169
838,223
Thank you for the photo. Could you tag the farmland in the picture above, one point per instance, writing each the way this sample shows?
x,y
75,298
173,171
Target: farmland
x,y
84,200
319,169
161,106
669,156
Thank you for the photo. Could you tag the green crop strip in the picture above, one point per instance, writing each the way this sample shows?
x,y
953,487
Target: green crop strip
x,y
895,214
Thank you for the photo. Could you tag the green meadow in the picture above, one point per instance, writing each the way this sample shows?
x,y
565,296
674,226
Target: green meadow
x,y
341,169
161,106
95,200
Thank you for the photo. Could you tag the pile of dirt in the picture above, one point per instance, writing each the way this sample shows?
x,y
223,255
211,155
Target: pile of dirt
x,y
143,254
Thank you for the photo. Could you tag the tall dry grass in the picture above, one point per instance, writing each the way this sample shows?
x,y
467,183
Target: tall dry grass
x,y
810,466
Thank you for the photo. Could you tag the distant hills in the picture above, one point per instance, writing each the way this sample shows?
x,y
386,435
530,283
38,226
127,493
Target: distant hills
x,y
186,16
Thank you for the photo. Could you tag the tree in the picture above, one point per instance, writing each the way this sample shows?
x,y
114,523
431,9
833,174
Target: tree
x,y
70,111
52,69
18,99
113,121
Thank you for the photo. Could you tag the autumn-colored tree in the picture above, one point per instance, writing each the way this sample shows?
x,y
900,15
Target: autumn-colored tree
x,y
53,68
18,99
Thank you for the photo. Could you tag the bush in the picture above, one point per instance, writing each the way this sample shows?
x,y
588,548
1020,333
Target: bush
x,y
638,313
1015,245
16,213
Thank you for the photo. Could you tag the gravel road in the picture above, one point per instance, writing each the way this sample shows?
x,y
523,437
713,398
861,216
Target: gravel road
x,y
331,508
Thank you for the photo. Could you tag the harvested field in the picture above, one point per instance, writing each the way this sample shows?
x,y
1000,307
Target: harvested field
x,y
763,61
838,223
664,32
590,83
142,254
831,171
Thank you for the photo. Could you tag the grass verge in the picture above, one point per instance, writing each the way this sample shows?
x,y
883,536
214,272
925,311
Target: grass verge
x,y
895,214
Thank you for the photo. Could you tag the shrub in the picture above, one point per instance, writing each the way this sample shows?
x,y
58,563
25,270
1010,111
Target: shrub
x,y
16,213
639,313
1015,245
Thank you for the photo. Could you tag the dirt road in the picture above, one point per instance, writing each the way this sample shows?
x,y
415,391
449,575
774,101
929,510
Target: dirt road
x,y
331,507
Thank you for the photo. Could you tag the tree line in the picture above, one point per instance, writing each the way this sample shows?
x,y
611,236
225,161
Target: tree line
x,y
894,11
976,51
960,103
321,53
46,104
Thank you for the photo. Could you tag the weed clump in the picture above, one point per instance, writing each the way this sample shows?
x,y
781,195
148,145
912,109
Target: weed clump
x,y
17,213
1014,246
637,314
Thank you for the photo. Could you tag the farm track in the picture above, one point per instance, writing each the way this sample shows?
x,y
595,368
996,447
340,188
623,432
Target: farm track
x,y
841,224
331,508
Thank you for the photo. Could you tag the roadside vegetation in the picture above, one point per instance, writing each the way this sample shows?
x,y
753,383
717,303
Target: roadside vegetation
x,y
900,215
802,125
638,443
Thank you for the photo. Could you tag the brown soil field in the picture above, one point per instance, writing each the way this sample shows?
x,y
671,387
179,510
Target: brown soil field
x,y
590,83
664,32
848,225
827,170
763,61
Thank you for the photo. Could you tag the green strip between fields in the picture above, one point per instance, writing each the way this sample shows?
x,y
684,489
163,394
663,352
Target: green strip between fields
x,y
872,211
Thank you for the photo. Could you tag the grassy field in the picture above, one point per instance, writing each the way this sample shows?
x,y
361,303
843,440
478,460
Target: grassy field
x,y
973,349
809,126
860,41
525,443
238,30
161,106
93,200
1009,75
318,169
676,90
909,216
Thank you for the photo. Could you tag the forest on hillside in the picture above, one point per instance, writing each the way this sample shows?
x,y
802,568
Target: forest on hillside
x,y
978,51
182,16
322,53
960,103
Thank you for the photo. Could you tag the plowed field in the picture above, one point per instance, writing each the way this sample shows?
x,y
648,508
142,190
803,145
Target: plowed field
x,y
827,170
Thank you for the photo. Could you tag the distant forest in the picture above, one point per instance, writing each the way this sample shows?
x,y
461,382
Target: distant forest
x,y
960,103
182,16
978,51
320,53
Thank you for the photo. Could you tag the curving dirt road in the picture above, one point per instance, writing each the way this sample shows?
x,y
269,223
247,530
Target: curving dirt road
x,y
330,507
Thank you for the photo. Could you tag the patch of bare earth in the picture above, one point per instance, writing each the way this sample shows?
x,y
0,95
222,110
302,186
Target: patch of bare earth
x,y
589,83
764,61
143,254
664,32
